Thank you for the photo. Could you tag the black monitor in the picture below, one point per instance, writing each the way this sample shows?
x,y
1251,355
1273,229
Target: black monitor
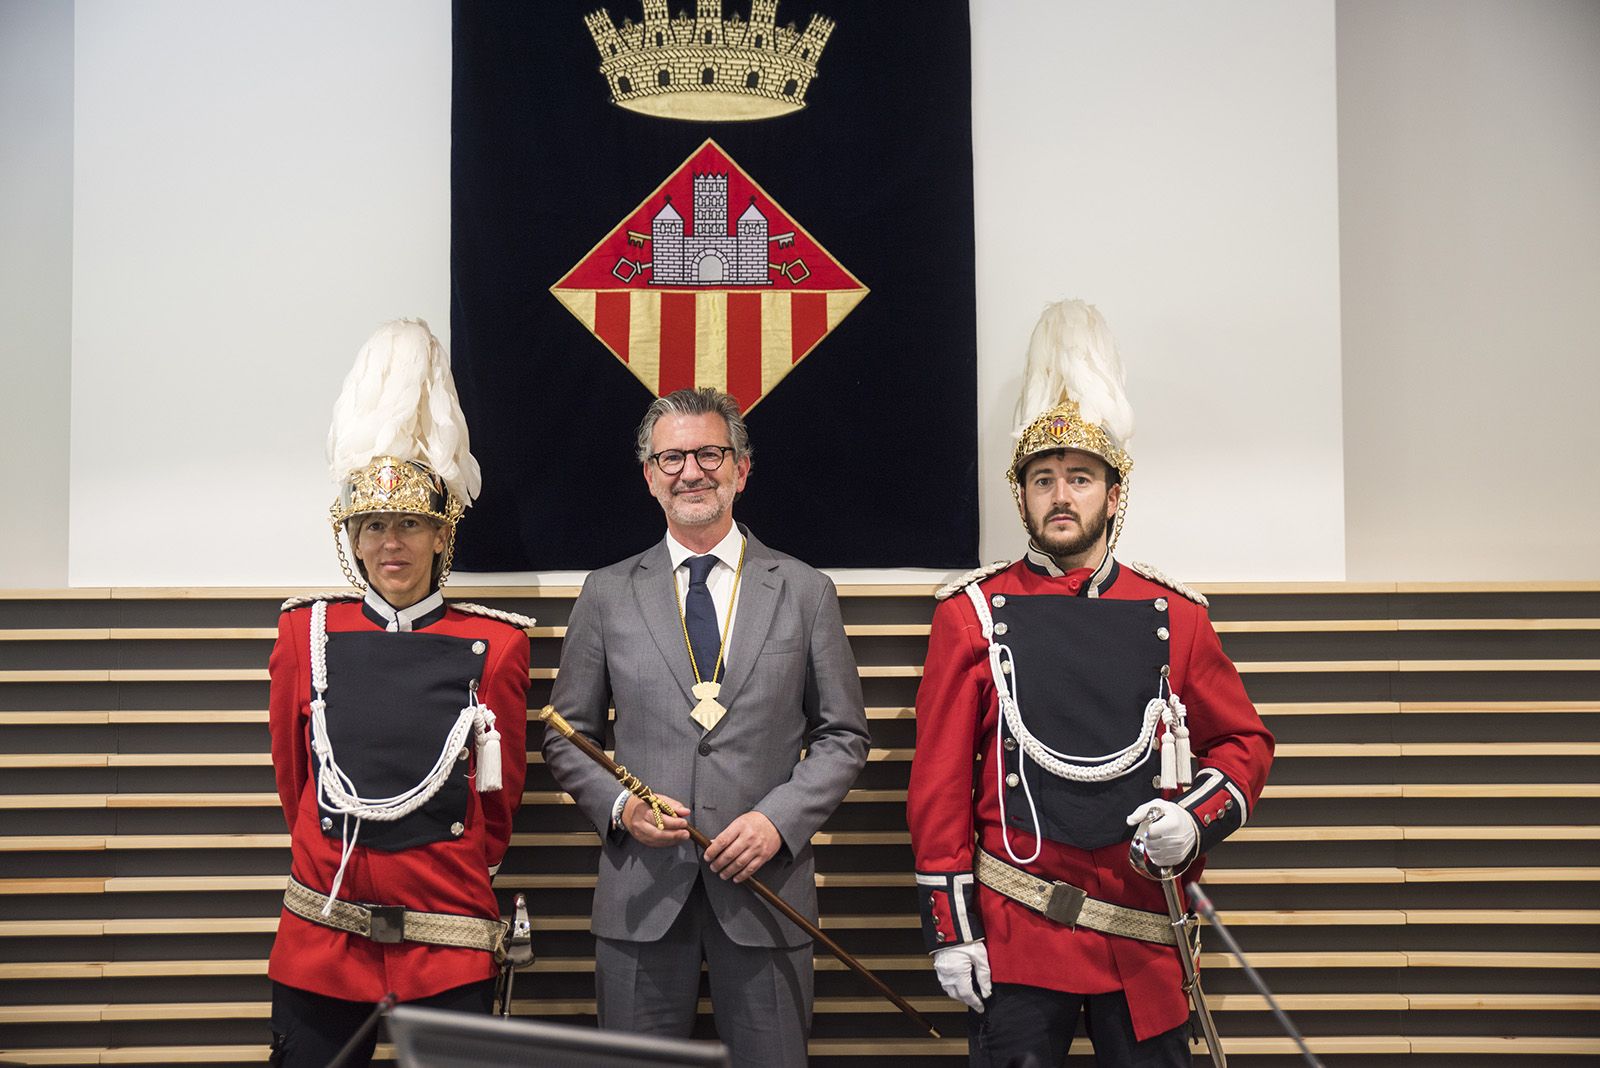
x,y
434,1038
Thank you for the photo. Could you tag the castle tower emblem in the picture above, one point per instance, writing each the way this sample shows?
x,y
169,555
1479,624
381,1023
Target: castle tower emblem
x,y
711,299
705,67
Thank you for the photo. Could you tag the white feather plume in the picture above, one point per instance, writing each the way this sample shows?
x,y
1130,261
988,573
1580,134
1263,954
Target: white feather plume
x,y
1072,356
400,400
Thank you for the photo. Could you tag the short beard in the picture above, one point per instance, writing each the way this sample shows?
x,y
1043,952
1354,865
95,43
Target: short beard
x,y
1062,546
698,515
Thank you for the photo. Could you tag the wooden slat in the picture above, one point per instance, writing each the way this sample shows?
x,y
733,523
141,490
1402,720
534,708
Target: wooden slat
x,y
545,1007
1388,626
1498,707
1505,789
1497,917
57,593
51,970
1326,667
868,671
847,589
1504,1002
1504,1045
550,839
52,801
1216,876
52,760
58,634
1502,875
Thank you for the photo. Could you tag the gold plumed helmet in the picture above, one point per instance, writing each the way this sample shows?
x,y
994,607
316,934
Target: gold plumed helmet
x,y
398,441
1074,396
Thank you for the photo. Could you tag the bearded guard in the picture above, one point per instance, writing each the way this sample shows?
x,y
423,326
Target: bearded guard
x,y
397,720
1057,704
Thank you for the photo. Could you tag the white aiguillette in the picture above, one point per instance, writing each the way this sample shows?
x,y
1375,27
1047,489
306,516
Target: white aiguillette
x,y
708,712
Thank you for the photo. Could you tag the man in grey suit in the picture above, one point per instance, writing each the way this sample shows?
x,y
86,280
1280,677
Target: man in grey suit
x,y
726,662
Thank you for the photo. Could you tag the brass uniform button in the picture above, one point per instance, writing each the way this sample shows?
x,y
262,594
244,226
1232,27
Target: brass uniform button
x,y
1012,780
456,829
479,647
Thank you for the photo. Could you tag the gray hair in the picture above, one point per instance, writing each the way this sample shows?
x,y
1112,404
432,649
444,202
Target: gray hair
x,y
706,401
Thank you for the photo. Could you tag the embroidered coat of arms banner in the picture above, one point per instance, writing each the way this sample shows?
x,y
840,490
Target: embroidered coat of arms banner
x,y
771,198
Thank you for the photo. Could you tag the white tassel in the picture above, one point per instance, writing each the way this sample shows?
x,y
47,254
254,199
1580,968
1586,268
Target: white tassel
x,y
488,742
1185,760
1169,752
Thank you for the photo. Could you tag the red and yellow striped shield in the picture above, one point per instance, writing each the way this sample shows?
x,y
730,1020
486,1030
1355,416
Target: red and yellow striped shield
x,y
709,283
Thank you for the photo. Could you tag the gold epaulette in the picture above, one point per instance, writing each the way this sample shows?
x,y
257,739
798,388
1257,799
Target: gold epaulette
x,y
521,622
977,574
1154,574
312,598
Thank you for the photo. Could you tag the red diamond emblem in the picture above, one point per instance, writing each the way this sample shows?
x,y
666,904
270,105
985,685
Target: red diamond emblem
x,y
709,283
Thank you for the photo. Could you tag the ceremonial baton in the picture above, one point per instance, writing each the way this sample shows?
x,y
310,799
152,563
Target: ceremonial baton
x,y
631,783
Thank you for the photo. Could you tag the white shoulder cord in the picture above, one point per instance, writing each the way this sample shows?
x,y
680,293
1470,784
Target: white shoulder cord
x,y
1061,765
337,793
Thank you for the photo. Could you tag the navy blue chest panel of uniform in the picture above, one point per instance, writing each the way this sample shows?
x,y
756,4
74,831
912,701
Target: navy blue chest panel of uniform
x,y
392,699
1084,670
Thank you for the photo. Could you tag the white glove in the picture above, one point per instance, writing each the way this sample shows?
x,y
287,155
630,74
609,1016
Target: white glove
x,y
1173,834
964,972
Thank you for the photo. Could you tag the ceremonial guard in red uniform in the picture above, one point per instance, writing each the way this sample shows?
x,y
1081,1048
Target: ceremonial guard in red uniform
x,y
398,727
1068,698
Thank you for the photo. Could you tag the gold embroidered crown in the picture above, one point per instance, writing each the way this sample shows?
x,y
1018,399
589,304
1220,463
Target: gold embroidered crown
x,y
706,68
389,484
1063,427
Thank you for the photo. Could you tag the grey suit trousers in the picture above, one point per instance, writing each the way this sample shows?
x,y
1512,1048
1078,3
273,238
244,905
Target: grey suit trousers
x,y
653,987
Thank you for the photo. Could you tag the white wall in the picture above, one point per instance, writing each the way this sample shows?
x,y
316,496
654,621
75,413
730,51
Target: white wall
x,y
1470,199
35,287
1174,164
258,185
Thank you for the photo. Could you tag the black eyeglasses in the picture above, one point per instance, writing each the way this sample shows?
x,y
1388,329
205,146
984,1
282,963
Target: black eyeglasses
x,y
671,461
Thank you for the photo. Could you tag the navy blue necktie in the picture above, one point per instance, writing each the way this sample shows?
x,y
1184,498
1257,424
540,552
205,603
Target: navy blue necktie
x,y
700,617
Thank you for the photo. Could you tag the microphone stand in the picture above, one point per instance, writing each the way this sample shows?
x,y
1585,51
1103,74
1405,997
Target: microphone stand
x,y
1203,903
371,1024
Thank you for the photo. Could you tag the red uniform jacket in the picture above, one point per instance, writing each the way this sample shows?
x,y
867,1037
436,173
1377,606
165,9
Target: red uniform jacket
x,y
952,802
450,876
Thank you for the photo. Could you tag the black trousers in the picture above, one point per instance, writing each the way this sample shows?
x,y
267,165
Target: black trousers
x,y
309,1029
1031,1027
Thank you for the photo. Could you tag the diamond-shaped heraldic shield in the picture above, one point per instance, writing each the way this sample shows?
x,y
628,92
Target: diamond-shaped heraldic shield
x,y
686,294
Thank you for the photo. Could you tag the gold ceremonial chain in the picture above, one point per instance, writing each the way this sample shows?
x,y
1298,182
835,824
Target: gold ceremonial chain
x,y
708,712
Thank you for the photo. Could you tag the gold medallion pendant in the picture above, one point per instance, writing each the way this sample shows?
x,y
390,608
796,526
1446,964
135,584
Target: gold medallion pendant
x,y
708,713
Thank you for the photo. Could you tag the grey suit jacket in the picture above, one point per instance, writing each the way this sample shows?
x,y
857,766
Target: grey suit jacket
x,y
790,685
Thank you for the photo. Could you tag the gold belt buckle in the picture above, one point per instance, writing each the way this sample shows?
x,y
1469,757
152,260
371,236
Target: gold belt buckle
x,y
1064,904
